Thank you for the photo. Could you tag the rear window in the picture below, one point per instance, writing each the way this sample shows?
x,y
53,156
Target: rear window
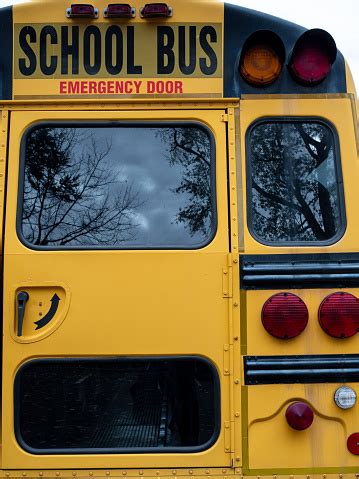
x,y
116,405
295,192
117,186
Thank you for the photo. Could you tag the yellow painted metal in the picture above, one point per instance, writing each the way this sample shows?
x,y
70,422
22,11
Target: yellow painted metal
x,y
168,302
270,445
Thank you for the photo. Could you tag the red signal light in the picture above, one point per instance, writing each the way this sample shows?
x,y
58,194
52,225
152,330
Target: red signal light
x,y
151,10
312,57
339,315
299,416
284,316
353,443
82,11
119,10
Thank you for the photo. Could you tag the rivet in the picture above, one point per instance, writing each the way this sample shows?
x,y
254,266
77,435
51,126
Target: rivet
x,y
224,471
235,305
141,473
74,473
41,474
235,261
227,448
124,473
207,471
157,473
236,338
226,371
107,473
225,272
341,476
90,473
190,471
236,381
174,472
57,474
237,414
238,459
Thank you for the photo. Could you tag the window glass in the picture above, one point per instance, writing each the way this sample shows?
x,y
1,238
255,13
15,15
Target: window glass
x,y
118,186
116,404
294,189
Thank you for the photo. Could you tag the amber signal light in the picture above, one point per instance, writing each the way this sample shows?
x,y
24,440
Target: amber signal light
x,y
262,58
153,10
119,10
82,11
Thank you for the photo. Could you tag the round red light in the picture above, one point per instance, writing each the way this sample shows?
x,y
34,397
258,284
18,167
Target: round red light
x,y
339,315
310,64
353,443
299,416
284,316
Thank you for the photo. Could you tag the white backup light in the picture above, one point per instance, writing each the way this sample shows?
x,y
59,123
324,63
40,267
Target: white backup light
x,y
345,397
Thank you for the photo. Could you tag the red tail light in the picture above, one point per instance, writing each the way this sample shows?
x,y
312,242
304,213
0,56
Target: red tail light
x,y
299,416
353,443
339,315
151,10
82,11
284,316
119,10
312,57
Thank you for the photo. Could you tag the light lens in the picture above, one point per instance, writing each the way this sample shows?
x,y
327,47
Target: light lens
x,y
353,443
339,315
260,65
310,64
119,10
313,56
284,316
345,397
299,416
82,11
151,10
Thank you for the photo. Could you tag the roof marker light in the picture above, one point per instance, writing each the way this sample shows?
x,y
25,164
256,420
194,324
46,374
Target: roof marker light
x,y
345,397
152,10
312,57
119,10
78,10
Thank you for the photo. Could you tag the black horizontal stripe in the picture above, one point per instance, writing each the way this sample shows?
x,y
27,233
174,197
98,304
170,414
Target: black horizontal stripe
x,y
301,369
300,271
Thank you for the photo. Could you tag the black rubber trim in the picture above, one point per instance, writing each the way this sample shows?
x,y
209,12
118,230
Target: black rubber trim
x,y
304,271
6,42
301,369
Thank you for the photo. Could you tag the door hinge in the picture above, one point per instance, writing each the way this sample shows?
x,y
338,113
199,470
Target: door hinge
x,y
225,117
227,290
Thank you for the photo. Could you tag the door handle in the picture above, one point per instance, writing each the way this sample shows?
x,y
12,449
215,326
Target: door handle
x,y
21,299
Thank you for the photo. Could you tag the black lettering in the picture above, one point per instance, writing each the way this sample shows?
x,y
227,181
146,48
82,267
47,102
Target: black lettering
x,y
131,67
114,68
165,44
45,68
191,51
92,32
208,50
27,69
67,50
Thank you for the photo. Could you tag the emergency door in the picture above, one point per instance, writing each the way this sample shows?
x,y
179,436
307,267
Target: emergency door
x,y
114,317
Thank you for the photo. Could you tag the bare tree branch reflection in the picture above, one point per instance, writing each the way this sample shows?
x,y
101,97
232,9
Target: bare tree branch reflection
x,y
191,148
71,195
294,184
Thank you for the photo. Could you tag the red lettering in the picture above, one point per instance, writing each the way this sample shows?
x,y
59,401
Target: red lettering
x,y
178,87
101,87
110,87
138,86
63,89
84,87
92,87
73,87
169,87
128,87
151,87
119,87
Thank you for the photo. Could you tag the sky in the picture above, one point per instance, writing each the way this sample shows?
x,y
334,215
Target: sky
x,y
341,23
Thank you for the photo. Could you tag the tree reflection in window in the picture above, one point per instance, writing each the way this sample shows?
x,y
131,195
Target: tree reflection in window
x,y
294,183
117,186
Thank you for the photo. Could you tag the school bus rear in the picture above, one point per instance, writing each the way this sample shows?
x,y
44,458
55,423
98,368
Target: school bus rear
x,y
179,246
